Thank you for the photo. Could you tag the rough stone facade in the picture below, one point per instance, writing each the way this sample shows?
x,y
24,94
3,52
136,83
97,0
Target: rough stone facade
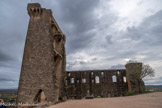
x,y
43,68
96,83
135,83
101,82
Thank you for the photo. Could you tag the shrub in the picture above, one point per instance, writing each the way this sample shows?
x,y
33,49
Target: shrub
x,y
130,93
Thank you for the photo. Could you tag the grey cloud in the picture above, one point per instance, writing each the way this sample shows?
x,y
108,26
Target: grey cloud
x,y
14,22
10,64
149,31
140,3
94,59
13,28
109,39
79,43
153,80
82,62
138,40
70,65
117,54
6,79
119,66
4,57
78,14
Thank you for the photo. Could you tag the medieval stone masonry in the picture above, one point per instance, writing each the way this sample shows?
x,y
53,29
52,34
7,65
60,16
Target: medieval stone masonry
x,y
44,78
104,83
43,67
96,83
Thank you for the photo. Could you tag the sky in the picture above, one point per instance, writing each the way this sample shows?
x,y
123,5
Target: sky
x,y
100,34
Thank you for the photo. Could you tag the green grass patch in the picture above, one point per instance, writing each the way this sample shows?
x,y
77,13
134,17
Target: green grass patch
x,y
131,93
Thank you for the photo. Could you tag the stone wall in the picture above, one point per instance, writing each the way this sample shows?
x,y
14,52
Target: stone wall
x,y
43,67
135,83
102,83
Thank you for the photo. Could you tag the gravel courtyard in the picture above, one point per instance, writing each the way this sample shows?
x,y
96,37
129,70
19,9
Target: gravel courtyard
x,y
151,100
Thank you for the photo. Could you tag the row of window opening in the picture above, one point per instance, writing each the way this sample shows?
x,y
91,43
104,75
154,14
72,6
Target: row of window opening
x,y
97,80
102,73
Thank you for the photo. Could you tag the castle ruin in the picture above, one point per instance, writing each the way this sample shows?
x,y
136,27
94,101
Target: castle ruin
x,y
44,77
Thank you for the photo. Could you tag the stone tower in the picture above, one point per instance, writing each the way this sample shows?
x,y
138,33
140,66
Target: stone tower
x,y
133,72
43,67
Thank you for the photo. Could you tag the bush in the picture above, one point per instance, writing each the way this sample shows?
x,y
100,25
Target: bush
x,y
130,93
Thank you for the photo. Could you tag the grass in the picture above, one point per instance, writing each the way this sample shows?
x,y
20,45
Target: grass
x,y
131,93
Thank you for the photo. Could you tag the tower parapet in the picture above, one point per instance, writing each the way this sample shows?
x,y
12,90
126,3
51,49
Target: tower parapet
x,y
34,10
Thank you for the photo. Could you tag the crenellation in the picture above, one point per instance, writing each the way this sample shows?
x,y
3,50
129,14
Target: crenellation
x,y
34,10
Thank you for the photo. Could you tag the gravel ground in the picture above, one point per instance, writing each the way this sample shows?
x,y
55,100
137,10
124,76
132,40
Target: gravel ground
x,y
151,100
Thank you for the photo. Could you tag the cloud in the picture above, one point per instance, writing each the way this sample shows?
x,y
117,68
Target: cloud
x,y
146,37
79,21
141,43
5,79
148,31
153,80
119,66
4,57
14,22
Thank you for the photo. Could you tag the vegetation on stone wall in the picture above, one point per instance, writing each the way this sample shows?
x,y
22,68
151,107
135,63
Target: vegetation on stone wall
x,y
136,71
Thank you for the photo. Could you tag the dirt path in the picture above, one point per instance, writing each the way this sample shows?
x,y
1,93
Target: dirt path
x,y
152,100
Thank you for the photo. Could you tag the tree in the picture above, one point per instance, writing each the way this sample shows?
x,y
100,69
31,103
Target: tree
x,y
147,71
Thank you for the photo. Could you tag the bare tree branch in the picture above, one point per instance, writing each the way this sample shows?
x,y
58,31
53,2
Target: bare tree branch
x,y
147,71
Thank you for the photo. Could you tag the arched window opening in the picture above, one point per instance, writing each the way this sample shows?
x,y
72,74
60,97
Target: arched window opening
x,y
114,78
72,80
124,79
118,72
38,9
92,73
40,97
77,81
97,79
66,82
69,74
102,73
34,10
92,80
59,40
55,58
84,80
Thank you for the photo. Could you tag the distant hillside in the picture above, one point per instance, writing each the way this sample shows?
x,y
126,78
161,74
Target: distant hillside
x,y
155,86
8,95
9,90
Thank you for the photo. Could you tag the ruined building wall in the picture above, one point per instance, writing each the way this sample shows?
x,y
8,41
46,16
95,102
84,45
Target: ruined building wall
x,y
43,67
103,83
